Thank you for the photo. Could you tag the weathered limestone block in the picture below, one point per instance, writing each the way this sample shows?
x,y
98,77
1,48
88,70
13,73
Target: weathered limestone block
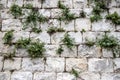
x,y
4,75
57,37
32,64
85,51
79,4
114,3
6,49
51,50
12,64
55,64
56,13
115,34
77,36
65,76
3,3
44,26
117,64
44,76
110,76
9,24
45,12
81,24
92,36
76,12
54,23
43,37
102,25
112,10
69,26
1,63
89,76
88,11
11,2
107,53
19,35
100,65
67,3
35,3
78,64
21,53
69,53
5,13
21,76
50,4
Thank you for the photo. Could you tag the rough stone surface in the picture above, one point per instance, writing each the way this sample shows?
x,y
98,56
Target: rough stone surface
x,y
12,64
5,75
55,64
78,64
44,76
100,65
32,65
1,66
21,76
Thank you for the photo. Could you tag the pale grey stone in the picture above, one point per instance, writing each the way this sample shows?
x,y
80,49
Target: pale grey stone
x,y
5,75
44,26
45,12
9,24
65,76
57,37
115,34
21,76
76,12
21,53
100,65
3,3
51,50
88,11
43,36
82,23
79,4
12,64
116,64
11,2
56,13
69,53
6,49
67,3
107,53
54,23
32,64
85,51
102,25
44,76
69,26
79,64
1,62
90,76
112,10
50,4
55,64
5,14
77,36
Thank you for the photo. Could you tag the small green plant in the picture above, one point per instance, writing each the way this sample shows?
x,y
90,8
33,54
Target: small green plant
x,y
95,18
53,30
82,14
16,10
83,31
8,37
69,42
59,50
36,49
115,18
89,42
108,42
66,15
23,43
75,73
9,55
36,30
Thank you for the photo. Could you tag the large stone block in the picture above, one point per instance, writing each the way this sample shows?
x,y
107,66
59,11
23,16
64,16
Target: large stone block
x,y
107,53
9,24
44,76
67,3
45,12
55,64
100,65
54,23
65,76
79,4
56,13
85,51
116,64
5,75
102,25
12,64
78,64
21,76
32,65
82,23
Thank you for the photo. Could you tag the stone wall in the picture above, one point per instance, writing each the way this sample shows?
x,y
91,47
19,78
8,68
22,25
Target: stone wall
x,y
91,63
